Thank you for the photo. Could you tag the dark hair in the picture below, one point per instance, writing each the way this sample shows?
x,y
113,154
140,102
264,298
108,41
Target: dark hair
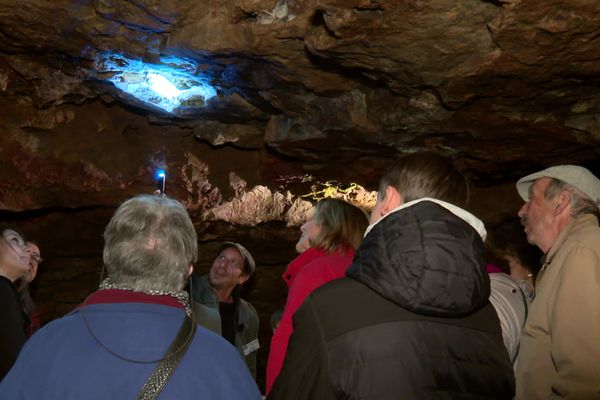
x,y
426,174
508,239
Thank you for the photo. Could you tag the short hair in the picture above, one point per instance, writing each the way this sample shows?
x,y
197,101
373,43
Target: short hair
x,y
580,202
342,225
426,174
149,244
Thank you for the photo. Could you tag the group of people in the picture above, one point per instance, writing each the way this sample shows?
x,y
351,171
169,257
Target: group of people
x,y
402,304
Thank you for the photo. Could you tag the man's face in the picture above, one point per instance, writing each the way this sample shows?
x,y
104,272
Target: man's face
x,y
537,215
227,269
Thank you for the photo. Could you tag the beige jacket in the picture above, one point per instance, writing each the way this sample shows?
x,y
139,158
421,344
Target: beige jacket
x,y
560,347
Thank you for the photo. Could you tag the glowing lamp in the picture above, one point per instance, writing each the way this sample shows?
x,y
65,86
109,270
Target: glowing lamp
x,y
167,85
162,86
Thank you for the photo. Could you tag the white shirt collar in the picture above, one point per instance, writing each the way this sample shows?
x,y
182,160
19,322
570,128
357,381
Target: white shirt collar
x,y
466,216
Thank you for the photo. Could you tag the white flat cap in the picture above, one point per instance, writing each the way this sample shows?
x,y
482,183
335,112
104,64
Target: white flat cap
x,y
574,175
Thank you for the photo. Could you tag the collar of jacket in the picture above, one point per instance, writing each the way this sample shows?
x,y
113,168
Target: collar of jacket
x,y
302,260
298,263
426,259
204,294
111,296
581,221
459,212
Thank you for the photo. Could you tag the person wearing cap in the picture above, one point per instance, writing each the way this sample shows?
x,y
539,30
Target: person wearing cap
x,y
220,290
560,347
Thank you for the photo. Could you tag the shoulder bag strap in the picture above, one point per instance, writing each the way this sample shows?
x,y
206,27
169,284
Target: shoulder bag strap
x,y
165,368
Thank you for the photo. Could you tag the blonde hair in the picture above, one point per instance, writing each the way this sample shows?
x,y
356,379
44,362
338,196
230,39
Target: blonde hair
x,y
342,225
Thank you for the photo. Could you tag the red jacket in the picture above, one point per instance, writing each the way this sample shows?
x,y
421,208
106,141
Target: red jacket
x,y
305,273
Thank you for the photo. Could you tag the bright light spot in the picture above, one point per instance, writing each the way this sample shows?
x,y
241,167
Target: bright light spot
x,y
175,83
161,85
160,173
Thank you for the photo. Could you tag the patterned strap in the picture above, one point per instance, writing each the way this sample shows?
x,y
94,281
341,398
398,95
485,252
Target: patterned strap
x,y
165,368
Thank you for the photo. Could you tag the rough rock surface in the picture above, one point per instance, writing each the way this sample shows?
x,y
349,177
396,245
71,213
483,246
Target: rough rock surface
x,y
306,89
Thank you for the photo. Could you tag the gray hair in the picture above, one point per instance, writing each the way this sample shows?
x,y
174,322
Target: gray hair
x,y
149,244
580,202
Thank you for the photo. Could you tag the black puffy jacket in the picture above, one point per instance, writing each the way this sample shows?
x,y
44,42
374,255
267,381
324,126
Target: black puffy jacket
x,y
411,321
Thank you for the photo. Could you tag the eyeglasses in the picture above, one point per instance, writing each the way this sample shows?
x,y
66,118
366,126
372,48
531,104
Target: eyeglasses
x,y
36,258
231,263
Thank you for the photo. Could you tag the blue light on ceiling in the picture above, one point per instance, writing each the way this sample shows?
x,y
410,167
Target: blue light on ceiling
x,y
167,86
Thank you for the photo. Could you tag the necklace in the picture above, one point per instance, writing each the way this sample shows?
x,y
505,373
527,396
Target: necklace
x,y
180,295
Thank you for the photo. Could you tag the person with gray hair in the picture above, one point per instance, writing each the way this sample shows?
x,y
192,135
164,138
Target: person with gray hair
x,y
134,336
560,350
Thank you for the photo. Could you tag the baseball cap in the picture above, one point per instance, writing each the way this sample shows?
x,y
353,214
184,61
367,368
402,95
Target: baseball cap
x,y
577,176
248,259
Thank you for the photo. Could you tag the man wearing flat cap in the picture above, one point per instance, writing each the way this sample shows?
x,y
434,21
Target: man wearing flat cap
x,y
560,347
220,290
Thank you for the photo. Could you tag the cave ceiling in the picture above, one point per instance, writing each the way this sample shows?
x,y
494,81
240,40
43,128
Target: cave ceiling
x,y
325,89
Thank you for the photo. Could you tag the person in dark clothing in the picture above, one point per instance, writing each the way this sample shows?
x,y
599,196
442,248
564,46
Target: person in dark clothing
x,y
14,263
411,319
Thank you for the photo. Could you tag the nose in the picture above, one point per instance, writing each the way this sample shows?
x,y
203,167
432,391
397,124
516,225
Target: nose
x,y
27,255
523,210
303,227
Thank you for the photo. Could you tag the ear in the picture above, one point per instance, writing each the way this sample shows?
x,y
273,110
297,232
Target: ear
x,y
243,278
392,199
191,270
563,200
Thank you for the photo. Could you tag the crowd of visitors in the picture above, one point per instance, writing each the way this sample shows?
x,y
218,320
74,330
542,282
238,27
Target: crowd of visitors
x,y
416,301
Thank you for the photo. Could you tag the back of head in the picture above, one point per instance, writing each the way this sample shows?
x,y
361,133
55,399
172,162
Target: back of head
x,y
149,244
427,174
342,225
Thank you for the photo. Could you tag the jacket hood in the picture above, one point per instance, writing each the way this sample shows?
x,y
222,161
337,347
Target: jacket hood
x,y
425,258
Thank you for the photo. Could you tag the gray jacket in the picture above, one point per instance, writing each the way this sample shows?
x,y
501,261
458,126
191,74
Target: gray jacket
x,y
246,336
511,304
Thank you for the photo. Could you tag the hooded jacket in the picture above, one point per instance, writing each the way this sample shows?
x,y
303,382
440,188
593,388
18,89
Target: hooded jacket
x,y
411,320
